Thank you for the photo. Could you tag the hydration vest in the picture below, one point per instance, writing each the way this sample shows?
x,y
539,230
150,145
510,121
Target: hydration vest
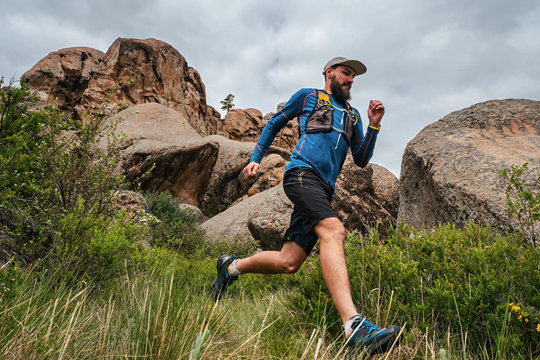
x,y
321,118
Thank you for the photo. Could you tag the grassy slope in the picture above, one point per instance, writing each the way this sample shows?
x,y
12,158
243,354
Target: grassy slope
x,y
165,312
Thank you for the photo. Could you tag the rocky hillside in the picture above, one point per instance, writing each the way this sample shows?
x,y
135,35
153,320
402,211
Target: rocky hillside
x,y
449,171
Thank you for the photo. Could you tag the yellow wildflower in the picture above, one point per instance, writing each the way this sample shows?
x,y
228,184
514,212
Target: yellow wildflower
x,y
538,327
516,308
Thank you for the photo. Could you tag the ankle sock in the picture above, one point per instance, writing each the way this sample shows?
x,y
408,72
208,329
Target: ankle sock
x,y
348,324
232,270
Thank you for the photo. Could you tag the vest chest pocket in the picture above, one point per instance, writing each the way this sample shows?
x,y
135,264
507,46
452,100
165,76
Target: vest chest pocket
x,y
320,120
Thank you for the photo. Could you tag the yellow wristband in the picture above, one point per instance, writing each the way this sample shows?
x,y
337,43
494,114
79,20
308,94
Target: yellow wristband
x,y
375,128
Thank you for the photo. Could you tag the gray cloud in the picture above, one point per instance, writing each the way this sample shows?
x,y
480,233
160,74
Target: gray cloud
x,y
424,59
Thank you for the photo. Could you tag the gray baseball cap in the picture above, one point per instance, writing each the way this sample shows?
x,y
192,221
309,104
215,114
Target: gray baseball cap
x,y
356,65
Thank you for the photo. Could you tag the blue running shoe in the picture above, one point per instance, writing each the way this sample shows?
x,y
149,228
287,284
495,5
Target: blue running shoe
x,y
223,279
373,339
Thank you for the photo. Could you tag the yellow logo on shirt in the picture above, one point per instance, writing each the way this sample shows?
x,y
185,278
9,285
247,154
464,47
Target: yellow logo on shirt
x,y
323,99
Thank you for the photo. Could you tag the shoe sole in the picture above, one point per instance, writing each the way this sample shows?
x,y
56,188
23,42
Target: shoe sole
x,y
381,345
386,341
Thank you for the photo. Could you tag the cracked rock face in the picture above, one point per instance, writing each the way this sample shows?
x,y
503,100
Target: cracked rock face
x,y
63,76
164,152
449,171
131,72
366,198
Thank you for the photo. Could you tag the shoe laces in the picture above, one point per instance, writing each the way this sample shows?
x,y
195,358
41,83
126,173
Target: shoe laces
x,y
363,323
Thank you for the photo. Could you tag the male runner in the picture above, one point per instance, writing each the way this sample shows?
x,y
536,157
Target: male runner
x,y
328,127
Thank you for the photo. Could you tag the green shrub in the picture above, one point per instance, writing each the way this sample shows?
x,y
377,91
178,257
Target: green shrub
x,y
10,279
523,198
174,228
453,280
96,247
57,186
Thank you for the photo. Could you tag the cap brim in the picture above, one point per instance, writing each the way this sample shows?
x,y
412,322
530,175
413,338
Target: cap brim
x,y
356,65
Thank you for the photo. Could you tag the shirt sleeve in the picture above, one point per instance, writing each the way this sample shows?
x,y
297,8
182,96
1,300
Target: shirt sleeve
x,y
292,109
362,146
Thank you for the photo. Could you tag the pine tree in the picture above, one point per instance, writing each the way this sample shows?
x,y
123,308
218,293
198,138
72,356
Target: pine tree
x,y
227,102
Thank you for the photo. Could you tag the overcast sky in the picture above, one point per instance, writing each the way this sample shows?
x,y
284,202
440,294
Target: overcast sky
x,y
425,59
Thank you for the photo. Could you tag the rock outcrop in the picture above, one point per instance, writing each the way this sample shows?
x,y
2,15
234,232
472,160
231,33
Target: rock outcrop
x,y
263,217
225,184
62,76
358,201
165,152
131,72
247,125
449,171
175,142
270,173
366,198
242,125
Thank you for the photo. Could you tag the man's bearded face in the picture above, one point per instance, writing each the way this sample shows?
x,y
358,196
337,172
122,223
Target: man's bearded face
x,y
341,91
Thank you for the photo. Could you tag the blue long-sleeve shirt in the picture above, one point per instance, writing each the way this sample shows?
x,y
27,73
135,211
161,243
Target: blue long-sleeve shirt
x,y
324,152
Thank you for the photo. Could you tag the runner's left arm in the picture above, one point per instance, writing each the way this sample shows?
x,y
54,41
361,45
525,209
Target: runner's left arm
x,y
362,146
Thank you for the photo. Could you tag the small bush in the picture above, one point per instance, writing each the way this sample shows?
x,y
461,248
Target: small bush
x,y
95,247
453,280
175,228
10,279
523,198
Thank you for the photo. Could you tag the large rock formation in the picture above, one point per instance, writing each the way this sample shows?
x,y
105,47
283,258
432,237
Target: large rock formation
x,y
170,143
132,71
227,184
242,125
62,76
164,152
359,202
449,172
247,125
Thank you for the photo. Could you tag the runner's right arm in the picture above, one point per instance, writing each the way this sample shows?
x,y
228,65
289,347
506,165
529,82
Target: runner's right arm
x,y
291,110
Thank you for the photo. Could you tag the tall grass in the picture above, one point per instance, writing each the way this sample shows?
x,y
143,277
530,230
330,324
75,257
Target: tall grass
x,y
168,313
157,316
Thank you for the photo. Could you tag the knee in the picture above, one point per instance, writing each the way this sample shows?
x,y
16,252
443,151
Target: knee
x,y
290,266
331,231
339,233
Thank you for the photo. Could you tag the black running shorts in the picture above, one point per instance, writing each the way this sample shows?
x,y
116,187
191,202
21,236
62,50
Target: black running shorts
x,y
312,198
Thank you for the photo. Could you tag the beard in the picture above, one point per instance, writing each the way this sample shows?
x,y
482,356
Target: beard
x,y
340,93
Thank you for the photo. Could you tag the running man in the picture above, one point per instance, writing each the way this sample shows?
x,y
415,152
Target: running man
x,y
328,127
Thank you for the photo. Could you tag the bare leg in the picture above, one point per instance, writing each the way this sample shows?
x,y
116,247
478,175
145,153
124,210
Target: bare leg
x,y
286,261
333,266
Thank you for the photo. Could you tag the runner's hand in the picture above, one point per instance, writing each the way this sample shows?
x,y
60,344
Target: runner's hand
x,y
250,171
375,113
